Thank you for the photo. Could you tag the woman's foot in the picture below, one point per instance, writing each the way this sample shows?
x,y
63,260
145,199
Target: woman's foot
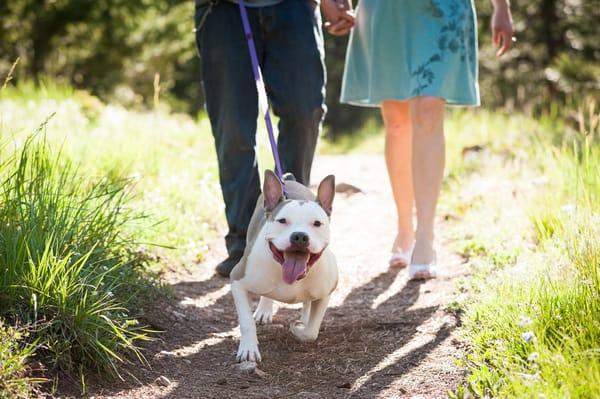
x,y
401,253
422,265
399,260
421,272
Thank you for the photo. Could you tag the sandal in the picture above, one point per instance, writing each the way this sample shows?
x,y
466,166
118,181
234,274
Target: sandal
x,y
419,271
400,259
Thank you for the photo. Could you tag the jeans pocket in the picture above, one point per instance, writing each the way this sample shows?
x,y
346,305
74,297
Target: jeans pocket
x,y
316,12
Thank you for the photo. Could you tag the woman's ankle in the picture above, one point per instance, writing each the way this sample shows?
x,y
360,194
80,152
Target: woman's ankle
x,y
423,252
403,242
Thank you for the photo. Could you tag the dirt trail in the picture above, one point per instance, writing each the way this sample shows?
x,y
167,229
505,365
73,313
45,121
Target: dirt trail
x,y
381,337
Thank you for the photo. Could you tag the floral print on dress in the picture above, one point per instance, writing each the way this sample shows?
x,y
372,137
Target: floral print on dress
x,y
457,35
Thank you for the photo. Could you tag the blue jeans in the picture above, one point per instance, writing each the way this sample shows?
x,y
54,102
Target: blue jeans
x,y
289,43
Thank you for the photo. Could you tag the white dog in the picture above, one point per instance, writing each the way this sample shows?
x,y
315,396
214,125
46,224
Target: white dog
x,y
287,259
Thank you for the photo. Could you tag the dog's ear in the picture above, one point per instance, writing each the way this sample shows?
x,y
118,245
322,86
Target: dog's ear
x,y
325,193
272,190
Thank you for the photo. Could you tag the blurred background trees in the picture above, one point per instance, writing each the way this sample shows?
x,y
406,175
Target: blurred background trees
x,y
117,48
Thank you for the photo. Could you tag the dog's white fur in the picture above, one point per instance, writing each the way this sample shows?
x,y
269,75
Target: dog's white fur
x,y
274,221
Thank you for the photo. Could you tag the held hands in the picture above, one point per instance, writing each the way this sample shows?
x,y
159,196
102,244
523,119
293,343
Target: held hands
x,y
502,28
339,15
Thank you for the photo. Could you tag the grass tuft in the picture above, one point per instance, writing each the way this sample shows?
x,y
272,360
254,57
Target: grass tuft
x,y
67,268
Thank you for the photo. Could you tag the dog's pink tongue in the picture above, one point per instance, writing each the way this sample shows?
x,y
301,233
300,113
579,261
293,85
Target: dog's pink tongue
x,y
294,265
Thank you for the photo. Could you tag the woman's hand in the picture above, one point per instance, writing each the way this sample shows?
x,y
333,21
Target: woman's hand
x,y
502,27
339,15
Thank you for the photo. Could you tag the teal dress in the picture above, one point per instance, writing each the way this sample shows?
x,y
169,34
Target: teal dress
x,y
400,49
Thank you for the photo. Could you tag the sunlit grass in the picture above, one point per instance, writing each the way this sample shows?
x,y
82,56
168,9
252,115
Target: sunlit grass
x,y
69,269
534,329
15,375
168,160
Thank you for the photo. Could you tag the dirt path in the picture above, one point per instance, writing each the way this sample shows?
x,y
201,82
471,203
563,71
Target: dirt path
x,y
381,337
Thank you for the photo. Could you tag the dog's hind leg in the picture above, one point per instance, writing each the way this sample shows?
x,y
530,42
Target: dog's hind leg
x,y
248,349
309,332
264,311
305,312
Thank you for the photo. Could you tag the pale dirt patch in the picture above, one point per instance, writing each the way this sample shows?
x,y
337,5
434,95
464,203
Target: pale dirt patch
x,y
381,337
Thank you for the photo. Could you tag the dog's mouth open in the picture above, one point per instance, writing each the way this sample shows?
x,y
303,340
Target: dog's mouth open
x,y
295,263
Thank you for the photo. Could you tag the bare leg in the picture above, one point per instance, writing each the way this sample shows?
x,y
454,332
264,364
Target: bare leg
x,y
398,157
264,311
427,115
310,331
248,349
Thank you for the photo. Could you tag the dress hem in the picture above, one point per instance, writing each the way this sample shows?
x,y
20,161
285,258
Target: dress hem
x,y
367,102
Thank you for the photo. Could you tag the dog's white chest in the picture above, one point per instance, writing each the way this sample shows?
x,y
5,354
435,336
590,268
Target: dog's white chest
x,y
295,293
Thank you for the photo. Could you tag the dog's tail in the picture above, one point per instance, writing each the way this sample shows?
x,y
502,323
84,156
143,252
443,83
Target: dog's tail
x,y
288,177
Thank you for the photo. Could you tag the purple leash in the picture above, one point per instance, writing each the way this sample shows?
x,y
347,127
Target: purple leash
x,y
263,102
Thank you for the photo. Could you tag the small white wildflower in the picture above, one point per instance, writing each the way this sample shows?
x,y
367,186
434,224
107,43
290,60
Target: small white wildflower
x,y
530,377
533,357
528,336
568,208
524,321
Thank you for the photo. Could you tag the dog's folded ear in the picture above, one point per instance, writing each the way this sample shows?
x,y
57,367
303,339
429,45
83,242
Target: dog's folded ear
x,y
325,193
272,190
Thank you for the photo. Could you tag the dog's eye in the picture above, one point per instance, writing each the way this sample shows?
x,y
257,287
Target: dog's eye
x,y
317,223
282,221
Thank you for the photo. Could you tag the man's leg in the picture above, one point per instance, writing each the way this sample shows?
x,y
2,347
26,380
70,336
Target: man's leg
x,y
231,102
294,72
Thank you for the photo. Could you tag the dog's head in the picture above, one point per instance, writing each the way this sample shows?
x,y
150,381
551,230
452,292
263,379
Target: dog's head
x,y
297,230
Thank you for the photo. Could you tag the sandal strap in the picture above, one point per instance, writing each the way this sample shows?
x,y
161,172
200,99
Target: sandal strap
x,y
415,268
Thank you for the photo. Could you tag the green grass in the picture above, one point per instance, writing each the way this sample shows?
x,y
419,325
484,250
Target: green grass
x,y
168,160
533,318
89,192
68,269
15,378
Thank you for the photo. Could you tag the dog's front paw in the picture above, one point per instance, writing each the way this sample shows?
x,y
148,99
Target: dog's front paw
x,y
263,316
248,351
302,333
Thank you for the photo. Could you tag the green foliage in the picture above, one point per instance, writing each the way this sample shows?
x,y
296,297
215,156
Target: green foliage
x,y
66,268
112,48
14,381
534,328
559,312
115,49
166,160
553,59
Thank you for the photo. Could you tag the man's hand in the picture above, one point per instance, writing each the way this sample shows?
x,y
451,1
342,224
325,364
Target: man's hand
x,y
502,27
339,15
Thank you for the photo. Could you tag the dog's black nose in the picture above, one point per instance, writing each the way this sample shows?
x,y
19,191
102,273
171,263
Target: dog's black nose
x,y
299,239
